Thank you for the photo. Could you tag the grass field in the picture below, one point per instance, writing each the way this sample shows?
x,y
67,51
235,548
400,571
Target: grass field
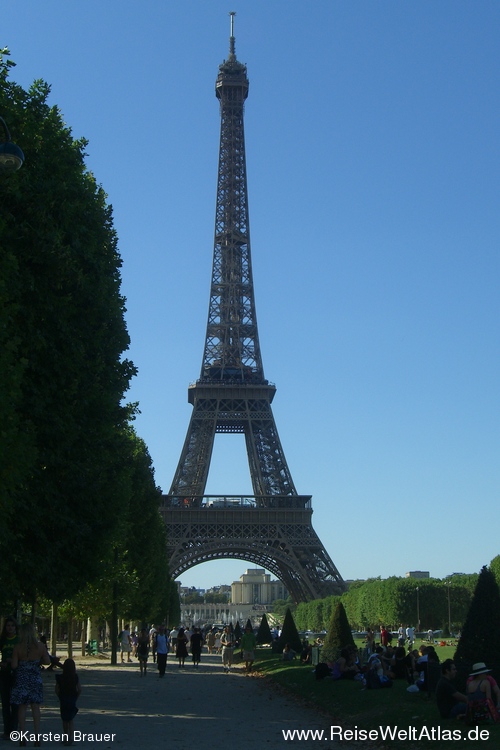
x,y
349,705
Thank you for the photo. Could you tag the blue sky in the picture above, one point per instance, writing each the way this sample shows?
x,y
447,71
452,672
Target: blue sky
x,y
373,172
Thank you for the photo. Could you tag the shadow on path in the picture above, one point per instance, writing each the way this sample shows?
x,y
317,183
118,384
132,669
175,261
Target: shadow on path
x,y
190,708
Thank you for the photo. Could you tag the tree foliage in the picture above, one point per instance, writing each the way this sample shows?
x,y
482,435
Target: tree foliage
x,y
338,634
289,634
495,568
264,632
75,482
479,641
134,570
393,601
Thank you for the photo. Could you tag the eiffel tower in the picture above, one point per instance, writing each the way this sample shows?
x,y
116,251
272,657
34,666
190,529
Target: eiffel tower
x,y
273,527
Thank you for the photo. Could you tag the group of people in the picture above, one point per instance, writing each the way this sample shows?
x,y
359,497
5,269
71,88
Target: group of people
x,y
481,700
21,681
180,641
422,669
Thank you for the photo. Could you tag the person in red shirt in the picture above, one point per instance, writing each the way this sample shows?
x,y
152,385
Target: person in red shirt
x,y
384,636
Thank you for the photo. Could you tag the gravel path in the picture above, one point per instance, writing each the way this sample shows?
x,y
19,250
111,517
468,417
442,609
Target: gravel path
x,y
189,709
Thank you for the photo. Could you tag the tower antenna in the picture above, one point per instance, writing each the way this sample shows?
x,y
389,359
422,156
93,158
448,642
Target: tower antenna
x,y
232,53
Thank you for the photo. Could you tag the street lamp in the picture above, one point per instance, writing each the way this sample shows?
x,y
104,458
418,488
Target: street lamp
x,y
11,156
449,610
418,611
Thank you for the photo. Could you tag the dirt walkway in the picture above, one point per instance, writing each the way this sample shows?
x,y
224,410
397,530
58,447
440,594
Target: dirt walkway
x,y
190,709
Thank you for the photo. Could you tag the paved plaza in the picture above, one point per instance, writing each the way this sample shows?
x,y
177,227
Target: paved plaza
x,y
189,708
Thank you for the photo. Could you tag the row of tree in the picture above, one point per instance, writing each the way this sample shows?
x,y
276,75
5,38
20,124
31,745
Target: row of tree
x,y
78,500
427,603
478,641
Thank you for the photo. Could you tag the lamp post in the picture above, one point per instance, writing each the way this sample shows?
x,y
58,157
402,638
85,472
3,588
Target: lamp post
x,y
449,609
418,611
11,156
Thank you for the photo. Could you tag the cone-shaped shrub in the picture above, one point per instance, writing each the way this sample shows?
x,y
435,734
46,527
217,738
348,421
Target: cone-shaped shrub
x,y
338,634
264,633
289,634
237,631
479,640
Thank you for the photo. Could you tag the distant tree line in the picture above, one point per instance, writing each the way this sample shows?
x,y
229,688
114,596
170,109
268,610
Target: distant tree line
x,y
393,601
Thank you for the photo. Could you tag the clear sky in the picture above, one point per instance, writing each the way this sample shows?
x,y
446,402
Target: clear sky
x,y
372,134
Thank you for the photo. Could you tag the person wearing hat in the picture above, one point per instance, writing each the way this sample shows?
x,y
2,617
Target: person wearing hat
x,y
481,672
450,702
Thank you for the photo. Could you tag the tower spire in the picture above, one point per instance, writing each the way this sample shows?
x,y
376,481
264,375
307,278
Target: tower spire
x,y
232,54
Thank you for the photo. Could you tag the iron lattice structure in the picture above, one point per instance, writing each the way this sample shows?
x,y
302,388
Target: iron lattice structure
x,y
273,527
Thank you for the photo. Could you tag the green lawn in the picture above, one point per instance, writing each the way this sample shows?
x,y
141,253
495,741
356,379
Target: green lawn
x,y
349,705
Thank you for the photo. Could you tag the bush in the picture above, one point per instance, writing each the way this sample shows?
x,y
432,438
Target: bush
x,y
338,635
264,633
479,640
289,634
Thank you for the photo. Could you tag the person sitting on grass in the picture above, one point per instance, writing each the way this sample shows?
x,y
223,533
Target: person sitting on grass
x,y
379,655
306,653
480,706
345,667
451,702
288,653
428,654
401,665
481,669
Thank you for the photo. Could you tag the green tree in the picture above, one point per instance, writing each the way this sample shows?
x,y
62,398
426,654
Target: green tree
x,y
62,339
495,568
478,641
338,634
280,607
145,542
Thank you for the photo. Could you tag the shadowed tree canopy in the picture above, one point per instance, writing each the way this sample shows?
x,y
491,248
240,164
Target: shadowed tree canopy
x,y
62,341
135,569
479,640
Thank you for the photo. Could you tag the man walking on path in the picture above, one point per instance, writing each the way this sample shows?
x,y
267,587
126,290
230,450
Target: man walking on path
x,y
227,643
161,643
248,645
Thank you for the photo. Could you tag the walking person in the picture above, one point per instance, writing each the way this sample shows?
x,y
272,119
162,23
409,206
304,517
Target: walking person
x,y
68,690
196,643
126,642
248,645
143,651
8,639
162,648
181,647
28,688
173,639
210,641
227,643
152,641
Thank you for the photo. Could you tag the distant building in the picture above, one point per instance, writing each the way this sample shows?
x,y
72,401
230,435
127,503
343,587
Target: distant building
x,y
189,590
255,587
418,574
